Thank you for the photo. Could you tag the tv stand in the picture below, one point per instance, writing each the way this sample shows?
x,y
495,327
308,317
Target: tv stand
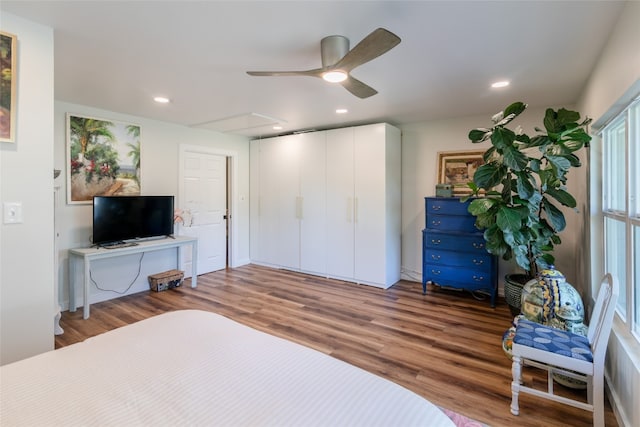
x,y
83,257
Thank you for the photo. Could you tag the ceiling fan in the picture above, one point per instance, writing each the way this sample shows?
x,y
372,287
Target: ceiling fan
x,y
338,61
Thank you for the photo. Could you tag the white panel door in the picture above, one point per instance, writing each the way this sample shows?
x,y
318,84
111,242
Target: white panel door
x,y
313,183
205,195
340,203
369,183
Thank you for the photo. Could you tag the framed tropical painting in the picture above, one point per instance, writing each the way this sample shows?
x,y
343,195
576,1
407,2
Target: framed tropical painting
x,y
8,77
103,158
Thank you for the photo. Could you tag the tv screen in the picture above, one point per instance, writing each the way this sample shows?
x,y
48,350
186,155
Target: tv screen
x,y
125,218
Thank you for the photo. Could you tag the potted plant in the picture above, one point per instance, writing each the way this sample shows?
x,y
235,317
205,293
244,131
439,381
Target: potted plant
x,y
524,180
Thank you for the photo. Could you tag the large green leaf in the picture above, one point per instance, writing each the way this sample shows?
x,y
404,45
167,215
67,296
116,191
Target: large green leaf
x,y
574,144
565,116
555,215
479,135
562,196
481,205
516,108
489,175
515,159
559,163
524,186
502,138
522,257
508,219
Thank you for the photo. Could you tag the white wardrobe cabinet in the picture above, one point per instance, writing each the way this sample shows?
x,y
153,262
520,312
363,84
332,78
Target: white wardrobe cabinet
x,y
328,203
288,202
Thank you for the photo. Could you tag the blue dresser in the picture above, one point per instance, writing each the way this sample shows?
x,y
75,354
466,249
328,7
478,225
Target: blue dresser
x,y
453,249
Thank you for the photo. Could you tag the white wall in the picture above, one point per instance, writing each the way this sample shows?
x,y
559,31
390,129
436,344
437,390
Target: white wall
x,y
26,173
159,144
421,143
613,83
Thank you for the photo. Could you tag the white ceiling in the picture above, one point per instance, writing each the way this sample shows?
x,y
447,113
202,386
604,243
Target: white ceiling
x,y
117,55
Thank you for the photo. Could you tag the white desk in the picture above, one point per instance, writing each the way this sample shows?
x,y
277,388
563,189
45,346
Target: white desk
x,y
84,256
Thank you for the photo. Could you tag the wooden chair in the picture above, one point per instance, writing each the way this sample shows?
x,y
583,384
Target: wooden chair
x,y
566,353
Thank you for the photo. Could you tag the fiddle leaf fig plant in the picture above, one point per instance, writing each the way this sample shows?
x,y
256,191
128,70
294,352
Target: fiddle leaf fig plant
x,y
524,181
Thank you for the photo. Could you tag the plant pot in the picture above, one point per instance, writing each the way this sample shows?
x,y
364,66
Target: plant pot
x,y
513,284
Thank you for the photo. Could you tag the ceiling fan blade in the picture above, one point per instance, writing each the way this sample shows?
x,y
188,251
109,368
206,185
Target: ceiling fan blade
x,y
313,73
358,88
372,46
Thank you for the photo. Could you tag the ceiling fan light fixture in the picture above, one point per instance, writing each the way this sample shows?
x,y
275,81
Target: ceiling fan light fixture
x,y
335,76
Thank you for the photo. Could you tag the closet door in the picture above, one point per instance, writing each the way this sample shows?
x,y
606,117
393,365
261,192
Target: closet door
x,y
340,203
312,202
377,204
268,203
287,169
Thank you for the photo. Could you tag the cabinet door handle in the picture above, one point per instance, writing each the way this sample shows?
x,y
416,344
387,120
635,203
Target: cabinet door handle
x,y
478,278
298,207
349,209
355,210
434,222
435,242
478,245
436,272
478,261
435,257
436,207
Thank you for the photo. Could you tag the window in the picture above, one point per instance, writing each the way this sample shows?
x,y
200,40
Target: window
x,y
621,210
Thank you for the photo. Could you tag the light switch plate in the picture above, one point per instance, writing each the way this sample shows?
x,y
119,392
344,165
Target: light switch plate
x,y
12,212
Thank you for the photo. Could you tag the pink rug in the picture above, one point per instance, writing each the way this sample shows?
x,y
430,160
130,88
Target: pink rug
x,y
460,420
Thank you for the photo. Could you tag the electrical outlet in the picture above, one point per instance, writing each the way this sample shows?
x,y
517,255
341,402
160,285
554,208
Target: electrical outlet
x,y
12,212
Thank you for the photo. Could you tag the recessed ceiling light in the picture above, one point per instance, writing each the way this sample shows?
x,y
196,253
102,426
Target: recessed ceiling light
x,y
277,127
161,99
335,76
503,83
342,111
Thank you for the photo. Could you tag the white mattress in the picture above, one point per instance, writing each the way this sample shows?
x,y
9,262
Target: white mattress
x,y
198,368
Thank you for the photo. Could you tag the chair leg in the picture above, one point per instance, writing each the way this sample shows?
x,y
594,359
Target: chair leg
x,y
516,371
597,385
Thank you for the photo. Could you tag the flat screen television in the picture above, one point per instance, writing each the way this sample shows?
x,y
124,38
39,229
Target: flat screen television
x,y
127,218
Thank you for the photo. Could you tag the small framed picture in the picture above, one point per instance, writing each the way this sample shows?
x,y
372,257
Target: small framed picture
x,y
457,168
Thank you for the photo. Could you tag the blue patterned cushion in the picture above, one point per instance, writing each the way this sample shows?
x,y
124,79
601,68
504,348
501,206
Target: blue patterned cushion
x,y
554,340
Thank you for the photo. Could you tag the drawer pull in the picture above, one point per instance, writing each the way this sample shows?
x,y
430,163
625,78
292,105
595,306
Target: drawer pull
x,y
478,245
478,278
436,272
435,241
478,261
435,257
436,207
436,223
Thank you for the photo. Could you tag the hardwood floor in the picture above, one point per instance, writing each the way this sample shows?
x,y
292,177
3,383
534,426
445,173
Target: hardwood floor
x,y
445,346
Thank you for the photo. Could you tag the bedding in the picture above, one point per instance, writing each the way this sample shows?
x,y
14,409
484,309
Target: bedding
x,y
198,368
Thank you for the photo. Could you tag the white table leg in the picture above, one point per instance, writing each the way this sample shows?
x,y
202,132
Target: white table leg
x,y
85,307
194,264
73,276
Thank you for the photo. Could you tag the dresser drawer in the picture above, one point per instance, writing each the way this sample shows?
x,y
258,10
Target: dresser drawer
x,y
477,261
446,206
473,243
458,223
467,277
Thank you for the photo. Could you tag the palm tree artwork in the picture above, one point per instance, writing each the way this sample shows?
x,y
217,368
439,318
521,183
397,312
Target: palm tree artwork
x,y
104,158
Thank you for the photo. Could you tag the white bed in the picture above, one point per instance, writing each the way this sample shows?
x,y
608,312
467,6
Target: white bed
x,y
198,368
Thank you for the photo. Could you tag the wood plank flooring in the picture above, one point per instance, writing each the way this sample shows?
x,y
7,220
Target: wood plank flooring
x,y
445,346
